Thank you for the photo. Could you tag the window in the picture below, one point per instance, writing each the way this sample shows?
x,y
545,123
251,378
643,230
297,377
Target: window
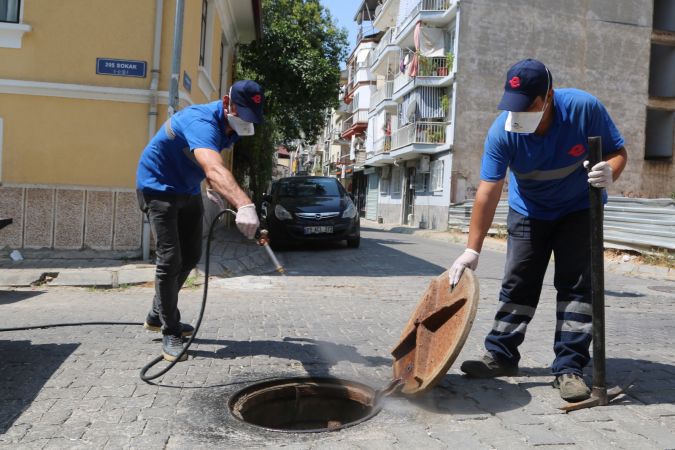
x,y
395,180
436,175
223,65
202,42
659,134
9,11
421,182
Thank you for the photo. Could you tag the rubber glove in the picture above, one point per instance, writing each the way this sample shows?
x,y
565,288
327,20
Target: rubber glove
x,y
600,175
247,220
467,259
215,198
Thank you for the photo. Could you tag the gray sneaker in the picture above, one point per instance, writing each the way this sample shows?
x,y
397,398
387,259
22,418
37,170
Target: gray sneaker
x,y
488,367
572,387
172,346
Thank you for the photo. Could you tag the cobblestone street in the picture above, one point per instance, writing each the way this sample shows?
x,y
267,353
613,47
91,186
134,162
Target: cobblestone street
x,y
338,312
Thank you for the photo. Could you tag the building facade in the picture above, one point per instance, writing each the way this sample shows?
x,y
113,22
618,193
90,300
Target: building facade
x,y
80,96
438,68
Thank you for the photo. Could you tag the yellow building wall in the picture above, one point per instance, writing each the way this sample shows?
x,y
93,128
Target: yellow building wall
x,y
68,36
59,141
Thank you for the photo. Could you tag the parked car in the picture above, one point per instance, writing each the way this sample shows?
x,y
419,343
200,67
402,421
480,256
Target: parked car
x,y
310,208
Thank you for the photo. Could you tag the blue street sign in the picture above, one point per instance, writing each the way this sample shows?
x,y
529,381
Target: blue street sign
x,y
187,82
121,67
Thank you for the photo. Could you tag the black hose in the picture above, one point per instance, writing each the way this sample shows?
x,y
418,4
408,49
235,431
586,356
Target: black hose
x,y
147,367
71,324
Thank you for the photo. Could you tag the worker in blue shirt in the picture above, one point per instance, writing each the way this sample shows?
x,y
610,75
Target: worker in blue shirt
x,y
542,138
184,152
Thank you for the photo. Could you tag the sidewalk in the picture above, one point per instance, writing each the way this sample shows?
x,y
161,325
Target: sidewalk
x,y
231,255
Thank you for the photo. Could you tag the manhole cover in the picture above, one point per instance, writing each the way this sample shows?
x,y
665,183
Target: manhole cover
x,y
666,289
304,405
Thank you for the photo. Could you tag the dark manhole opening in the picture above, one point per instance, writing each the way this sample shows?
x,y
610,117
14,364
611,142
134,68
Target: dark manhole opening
x,y
305,405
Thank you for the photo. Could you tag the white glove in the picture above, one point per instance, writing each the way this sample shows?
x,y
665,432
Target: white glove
x,y
467,259
247,220
215,198
600,175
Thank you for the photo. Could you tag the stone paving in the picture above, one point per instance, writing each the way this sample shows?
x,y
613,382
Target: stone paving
x,y
338,312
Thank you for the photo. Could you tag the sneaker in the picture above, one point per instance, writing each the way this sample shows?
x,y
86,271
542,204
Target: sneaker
x,y
488,367
572,387
171,347
186,329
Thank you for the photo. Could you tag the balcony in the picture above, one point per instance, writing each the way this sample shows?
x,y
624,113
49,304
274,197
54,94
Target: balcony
x,y
386,45
429,9
420,133
355,123
382,95
431,72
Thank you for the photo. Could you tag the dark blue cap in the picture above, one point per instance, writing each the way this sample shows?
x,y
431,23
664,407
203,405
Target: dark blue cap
x,y
249,98
525,80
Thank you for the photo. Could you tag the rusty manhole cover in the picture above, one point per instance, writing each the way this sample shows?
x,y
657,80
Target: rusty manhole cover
x,y
436,332
305,405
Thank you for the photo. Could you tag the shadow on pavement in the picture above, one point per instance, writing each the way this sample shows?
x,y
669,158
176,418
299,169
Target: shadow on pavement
x,y
7,297
24,369
374,258
459,395
317,357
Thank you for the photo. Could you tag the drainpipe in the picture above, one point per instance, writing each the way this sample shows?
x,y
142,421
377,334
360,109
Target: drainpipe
x,y
152,114
175,63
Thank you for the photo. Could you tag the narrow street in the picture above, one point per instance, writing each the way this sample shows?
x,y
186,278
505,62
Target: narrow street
x,y
338,312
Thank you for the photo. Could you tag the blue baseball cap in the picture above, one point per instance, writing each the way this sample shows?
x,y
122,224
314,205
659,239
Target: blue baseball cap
x,y
525,80
249,98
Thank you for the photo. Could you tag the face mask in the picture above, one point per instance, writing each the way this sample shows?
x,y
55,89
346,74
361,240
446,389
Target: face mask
x,y
241,127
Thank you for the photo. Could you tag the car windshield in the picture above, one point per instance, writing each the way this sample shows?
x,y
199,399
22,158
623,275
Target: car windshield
x,y
308,187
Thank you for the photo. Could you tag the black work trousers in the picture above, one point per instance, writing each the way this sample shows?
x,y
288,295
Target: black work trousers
x,y
176,222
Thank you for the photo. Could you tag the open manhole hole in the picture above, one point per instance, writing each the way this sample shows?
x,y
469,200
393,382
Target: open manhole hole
x,y
305,405
429,344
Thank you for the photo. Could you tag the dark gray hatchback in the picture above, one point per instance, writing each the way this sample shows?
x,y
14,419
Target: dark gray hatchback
x,y
310,208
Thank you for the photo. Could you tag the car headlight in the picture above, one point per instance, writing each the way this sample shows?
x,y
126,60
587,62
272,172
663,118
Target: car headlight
x,y
350,212
282,213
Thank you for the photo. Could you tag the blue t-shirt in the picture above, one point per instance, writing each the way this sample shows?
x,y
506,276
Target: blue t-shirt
x,y
168,164
547,178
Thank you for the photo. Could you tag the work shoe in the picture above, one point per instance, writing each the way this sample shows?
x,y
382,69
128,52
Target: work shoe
x,y
171,347
572,387
185,328
488,367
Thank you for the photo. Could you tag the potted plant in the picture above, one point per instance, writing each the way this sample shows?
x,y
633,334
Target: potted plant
x,y
445,105
449,61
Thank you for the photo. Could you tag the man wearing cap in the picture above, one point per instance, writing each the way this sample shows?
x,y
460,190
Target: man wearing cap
x,y
541,137
185,151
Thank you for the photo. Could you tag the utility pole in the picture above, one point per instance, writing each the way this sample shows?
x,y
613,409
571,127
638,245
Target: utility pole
x,y
175,60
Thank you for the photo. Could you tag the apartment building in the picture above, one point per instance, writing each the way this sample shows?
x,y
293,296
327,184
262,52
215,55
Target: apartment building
x,y
435,75
82,89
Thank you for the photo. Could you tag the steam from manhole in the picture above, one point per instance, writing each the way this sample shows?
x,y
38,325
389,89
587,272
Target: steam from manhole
x,y
305,405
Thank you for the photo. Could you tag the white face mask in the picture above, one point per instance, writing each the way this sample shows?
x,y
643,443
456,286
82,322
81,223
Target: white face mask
x,y
241,127
523,122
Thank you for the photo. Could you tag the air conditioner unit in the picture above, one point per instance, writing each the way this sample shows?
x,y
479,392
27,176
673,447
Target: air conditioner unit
x,y
423,166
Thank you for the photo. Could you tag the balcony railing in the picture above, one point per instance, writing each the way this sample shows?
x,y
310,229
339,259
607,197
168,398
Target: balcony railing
x,y
433,67
419,133
426,5
382,145
360,116
386,40
401,81
381,95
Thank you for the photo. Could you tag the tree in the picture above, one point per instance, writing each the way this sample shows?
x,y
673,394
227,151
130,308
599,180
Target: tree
x,y
297,62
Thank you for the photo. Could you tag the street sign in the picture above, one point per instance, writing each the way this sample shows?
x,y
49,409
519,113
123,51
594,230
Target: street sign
x,y
187,82
121,67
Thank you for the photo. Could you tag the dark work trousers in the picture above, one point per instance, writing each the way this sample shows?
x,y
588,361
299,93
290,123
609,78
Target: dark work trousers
x,y
529,247
176,222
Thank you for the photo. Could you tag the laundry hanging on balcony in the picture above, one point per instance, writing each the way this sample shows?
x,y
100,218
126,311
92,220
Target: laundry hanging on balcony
x,y
432,42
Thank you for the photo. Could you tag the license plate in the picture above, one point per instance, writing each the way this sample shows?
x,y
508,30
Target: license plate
x,y
319,230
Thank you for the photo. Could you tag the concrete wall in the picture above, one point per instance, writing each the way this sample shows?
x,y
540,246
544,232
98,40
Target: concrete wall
x,y
601,46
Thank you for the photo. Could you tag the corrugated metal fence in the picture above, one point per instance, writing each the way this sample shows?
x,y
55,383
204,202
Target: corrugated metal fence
x,y
630,223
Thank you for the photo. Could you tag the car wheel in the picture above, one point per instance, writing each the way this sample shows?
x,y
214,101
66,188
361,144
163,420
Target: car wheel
x,y
354,243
